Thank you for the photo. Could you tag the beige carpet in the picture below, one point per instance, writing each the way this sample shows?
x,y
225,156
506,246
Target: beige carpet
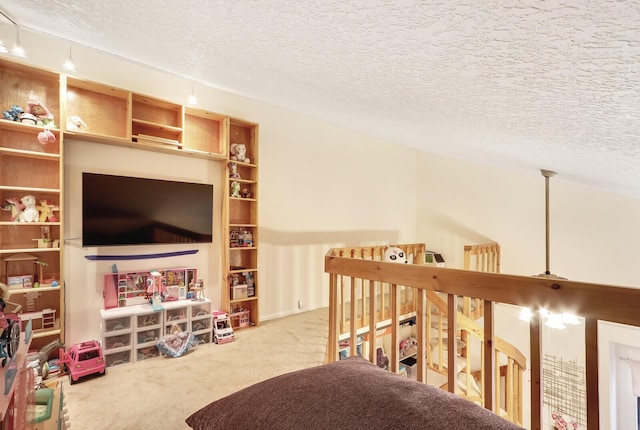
x,y
160,393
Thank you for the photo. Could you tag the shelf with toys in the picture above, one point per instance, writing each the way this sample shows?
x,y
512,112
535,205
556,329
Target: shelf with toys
x,y
241,225
41,109
31,220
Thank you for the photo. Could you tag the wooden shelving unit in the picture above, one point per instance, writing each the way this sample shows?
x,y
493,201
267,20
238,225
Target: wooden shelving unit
x,y
240,213
27,167
120,117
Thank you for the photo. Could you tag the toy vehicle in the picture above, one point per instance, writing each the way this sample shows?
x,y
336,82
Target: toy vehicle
x,y
222,329
83,359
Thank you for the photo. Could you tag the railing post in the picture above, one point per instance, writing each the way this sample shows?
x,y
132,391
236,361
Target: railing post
x,y
591,349
421,338
332,352
535,346
353,320
452,342
372,323
488,384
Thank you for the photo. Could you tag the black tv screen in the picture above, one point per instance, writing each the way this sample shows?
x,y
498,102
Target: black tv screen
x,y
123,210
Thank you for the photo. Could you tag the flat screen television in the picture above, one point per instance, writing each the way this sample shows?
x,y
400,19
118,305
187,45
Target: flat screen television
x,y
124,210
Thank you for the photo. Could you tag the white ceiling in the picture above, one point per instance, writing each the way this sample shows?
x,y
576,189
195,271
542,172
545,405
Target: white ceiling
x,y
521,84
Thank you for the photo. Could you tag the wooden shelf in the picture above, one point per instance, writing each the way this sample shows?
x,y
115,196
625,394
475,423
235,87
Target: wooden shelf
x,y
29,154
28,250
30,189
17,291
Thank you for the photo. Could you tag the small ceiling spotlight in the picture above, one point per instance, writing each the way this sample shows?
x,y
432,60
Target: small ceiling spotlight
x,y
69,64
18,50
193,100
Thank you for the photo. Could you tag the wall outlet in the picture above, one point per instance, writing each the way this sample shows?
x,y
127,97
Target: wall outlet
x,y
300,305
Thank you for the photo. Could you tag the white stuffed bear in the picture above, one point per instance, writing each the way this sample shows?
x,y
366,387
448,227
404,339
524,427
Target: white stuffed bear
x,y
239,152
30,212
394,255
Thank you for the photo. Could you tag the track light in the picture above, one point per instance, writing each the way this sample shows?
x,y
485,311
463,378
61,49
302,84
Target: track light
x,y
18,50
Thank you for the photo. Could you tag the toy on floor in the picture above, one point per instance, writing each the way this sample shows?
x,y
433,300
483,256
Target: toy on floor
x,y
42,356
177,343
222,329
82,359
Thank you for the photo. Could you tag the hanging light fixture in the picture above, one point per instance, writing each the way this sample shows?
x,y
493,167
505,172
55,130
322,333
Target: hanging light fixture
x,y
18,50
193,100
552,319
69,64
3,47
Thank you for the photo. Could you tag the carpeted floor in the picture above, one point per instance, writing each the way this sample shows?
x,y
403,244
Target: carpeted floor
x,y
161,392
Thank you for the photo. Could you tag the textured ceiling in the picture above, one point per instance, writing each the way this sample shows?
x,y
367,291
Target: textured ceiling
x,y
521,84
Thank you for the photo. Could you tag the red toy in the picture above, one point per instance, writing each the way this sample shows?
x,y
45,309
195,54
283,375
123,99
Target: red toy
x,y
82,359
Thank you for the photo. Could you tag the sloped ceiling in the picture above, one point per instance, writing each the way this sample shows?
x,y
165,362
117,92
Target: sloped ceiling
x,y
520,84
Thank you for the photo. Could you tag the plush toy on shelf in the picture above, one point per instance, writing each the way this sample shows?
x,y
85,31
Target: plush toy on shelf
x,y
30,212
35,107
235,189
233,171
239,152
47,209
75,123
15,206
13,114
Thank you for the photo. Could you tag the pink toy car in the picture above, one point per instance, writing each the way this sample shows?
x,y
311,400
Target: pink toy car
x,y
83,359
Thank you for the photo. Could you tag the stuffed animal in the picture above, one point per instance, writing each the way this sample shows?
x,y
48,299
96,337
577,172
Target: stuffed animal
x,y
47,209
239,152
75,123
13,114
235,189
14,206
394,255
30,212
41,113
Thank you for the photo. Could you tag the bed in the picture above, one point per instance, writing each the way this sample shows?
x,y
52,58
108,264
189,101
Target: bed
x,y
351,393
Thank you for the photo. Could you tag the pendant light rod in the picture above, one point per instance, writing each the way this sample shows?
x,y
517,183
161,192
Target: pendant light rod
x,y
547,174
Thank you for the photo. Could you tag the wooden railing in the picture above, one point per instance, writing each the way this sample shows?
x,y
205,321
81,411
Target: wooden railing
x,y
358,285
361,302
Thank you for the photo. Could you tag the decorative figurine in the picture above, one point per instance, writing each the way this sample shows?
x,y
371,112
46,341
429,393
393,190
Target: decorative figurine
x,y
233,171
235,189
